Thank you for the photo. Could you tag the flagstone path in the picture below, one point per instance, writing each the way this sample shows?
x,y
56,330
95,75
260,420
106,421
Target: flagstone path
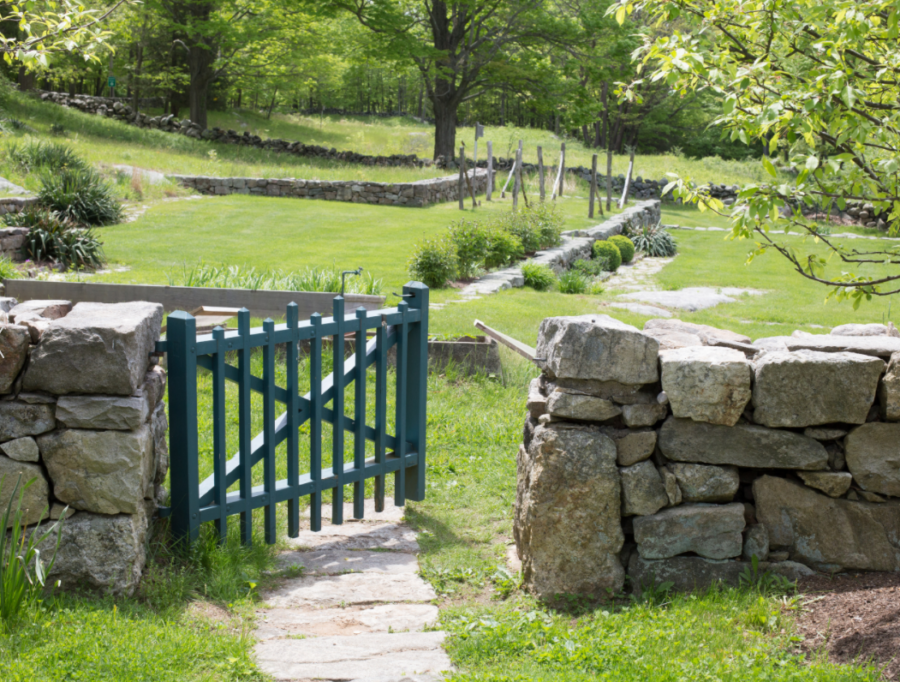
x,y
357,609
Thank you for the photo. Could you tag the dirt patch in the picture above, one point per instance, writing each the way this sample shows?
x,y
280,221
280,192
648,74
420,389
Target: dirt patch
x,y
854,618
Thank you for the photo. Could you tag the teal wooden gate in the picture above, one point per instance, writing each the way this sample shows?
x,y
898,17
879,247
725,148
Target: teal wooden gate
x,y
402,453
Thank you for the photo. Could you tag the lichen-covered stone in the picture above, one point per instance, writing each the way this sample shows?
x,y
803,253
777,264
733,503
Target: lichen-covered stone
x,y
710,530
889,391
707,384
634,446
832,483
13,478
706,483
643,490
567,520
808,388
564,405
756,543
684,440
685,573
21,449
873,457
18,420
646,414
14,341
673,492
597,347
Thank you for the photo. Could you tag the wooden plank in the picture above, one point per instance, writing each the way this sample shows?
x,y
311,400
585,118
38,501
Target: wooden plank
x,y
259,303
525,351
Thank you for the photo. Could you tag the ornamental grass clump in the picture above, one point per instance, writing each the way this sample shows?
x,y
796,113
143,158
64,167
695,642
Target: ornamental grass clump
x,y
654,241
572,282
56,239
81,195
538,277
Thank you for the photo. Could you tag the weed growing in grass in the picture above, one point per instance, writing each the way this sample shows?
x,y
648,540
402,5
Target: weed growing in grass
x,y
572,282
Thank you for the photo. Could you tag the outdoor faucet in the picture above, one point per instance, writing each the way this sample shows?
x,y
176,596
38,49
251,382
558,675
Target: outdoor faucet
x,y
344,274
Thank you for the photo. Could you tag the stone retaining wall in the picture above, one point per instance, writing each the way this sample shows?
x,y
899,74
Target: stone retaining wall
x,y
15,204
419,193
81,412
679,452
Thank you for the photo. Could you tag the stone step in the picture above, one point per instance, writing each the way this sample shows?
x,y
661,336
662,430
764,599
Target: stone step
x,y
354,620
336,561
391,513
360,657
349,589
390,536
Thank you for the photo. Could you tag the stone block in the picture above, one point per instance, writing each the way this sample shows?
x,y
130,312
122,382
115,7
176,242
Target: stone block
x,y
567,518
647,414
49,310
673,491
14,341
828,534
710,530
756,543
597,347
565,405
97,348
705,483
684,440
686,573
14,476
832,483
18,419
537,401
707,384
107,472
159,427
643,490
22,449
889,391
873,457
633,446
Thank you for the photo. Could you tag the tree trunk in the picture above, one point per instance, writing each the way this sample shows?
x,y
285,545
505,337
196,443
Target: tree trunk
x,y
272,104
136,88
26,79
444,128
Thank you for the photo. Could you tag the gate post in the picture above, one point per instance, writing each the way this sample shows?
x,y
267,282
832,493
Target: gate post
x,y
181,347
416,295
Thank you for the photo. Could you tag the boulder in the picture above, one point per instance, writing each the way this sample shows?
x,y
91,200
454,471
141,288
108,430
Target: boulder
x,y
21,449
18,420
744,445
809,388
36,498
98,348
889,391
710,530
707,384
756,543
686,573
832,483
597,347
564,405
643,490
673,492
825,533
873,457
567,523
14,341
107,472
705,483
648,414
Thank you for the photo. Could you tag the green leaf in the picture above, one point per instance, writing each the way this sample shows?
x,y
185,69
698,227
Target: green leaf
x,y
770,169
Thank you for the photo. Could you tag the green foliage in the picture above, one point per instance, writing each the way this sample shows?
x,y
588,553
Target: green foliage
x,y
609,253
8,269
654,240
53,238
81,195
23,571
470,240
590,268
434,262
626,246
36,154
503,248
548,222
538,277
305,279
519,226
572,282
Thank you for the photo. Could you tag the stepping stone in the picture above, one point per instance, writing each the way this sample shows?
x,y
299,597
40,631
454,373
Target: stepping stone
x,y
355,620
692,298
641,309
336,561
365,657
349,589
390,536
391,513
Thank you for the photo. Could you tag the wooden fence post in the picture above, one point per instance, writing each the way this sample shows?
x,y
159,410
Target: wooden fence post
x,y
461,183
593,187
517,185
540,153
562,165
609,179
490,170
625,189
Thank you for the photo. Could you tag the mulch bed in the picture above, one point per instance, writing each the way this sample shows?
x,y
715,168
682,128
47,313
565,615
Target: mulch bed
x,y
855,618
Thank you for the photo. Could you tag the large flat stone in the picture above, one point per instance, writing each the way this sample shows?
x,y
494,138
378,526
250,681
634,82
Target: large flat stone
x,y
97,348
707,384
336,561
349,658
102,411
107,472
14,476
690,299
809,388
825,533
686,573
389,514
18,420
567,521
350,589
873,457
597,347
643,490
684,440
355,536
709,530
663,330
354,620
706,483
877,346
14,341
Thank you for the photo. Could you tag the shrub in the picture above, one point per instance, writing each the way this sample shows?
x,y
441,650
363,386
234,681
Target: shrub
x,y
81,195
538,277
626,246
572,282
548,223
589,268
519,225
503,248
610,252
654,241
38,154
471,241
434,262
53,238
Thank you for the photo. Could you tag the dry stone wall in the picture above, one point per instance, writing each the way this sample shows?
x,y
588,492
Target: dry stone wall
x,y
680,452
419,193
81,412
